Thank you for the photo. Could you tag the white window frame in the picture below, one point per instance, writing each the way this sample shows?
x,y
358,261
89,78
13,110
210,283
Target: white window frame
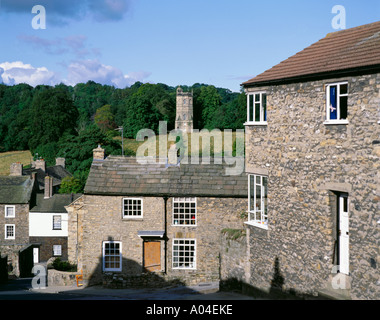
x,y
6,211
263,119
189,201
131,216
120,255
6,232
253,219
182,242
60,222
339,95
57,250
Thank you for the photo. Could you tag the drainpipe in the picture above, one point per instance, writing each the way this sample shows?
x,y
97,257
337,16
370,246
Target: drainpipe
x,y
165,233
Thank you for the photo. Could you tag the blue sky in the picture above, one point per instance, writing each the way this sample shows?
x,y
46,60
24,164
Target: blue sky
x,y
118,42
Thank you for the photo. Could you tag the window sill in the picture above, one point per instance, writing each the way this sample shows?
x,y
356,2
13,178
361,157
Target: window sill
x,y
256,123
132,218
184,225
256,224
334,122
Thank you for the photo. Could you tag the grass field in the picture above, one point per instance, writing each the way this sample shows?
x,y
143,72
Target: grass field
x,y
7,158
195,143
25,157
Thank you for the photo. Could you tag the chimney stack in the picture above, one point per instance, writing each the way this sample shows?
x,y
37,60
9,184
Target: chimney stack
x,y
16,169
40,164
48,192
60,162
98,153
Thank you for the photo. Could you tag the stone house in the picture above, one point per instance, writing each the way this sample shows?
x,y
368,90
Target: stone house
x,y
151,224
32,216
312,159
15,198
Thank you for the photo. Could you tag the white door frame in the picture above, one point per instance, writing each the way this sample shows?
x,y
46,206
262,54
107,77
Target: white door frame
x,y
36,255
343,238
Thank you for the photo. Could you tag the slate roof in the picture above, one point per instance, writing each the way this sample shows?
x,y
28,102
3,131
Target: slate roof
x,y
342,51
125,176
55,204
56,172
15,190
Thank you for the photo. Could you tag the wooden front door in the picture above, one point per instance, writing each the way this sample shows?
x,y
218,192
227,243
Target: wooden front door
x,y
152,256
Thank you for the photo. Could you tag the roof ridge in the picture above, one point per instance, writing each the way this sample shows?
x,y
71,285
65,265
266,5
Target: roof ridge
x,y
353,48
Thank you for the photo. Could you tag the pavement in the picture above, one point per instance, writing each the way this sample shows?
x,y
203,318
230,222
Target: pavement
x,y
203,291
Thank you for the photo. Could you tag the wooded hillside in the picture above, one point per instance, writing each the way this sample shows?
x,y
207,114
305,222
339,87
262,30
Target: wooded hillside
x,y
67,121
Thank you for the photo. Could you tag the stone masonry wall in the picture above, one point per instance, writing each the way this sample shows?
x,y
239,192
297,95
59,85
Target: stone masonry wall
x,y
213,215
11,247
305,161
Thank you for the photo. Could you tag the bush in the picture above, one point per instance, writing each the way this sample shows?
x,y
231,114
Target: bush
x,y
60,265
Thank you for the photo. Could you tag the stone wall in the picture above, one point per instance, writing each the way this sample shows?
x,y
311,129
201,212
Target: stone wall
x,y
61,278
234,258
305,161
11,247
45,245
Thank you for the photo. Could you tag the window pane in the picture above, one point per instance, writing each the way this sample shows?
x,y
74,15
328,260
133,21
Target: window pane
x,y
252,193
333,103
250,108
343,89
257,97
257,112
264,107
10,212
343,107
345,204
258,197
265,197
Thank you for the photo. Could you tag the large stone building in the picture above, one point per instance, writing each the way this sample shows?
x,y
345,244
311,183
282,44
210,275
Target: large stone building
x,y
149,224
312,159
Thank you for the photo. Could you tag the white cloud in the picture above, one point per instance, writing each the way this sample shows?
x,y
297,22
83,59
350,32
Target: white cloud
x,y
77,72
18,72
85,70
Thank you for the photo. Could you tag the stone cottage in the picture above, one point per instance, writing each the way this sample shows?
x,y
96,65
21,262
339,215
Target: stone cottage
x,y
312,159
15,198
151,224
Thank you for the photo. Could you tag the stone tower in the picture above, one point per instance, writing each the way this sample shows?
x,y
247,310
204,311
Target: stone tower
x,y
184,115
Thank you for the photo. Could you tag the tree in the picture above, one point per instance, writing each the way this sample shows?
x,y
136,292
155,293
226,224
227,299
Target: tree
x,y
52,115
78,150
70,185
211,101
145,108
105,119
